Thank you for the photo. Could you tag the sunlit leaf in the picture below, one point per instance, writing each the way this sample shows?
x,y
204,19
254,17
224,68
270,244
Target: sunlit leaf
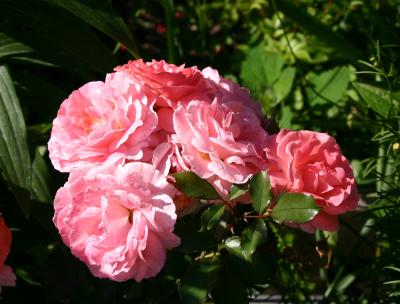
x,y
378,99
286,118
260,191
295,207
311,24
283,85
329,86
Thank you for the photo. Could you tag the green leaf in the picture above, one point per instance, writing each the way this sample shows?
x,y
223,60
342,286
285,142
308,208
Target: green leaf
x,y
237,191
194,186
315,27
211,217
261,69
295,207
329,86
101,15
284,84
378,99
9,46
286,119
395,282
55,35
245,246
253,236
198,281
40,179
15,165
260,191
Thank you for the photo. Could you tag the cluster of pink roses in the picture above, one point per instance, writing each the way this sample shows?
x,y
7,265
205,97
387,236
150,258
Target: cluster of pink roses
x,y
7,276
121,140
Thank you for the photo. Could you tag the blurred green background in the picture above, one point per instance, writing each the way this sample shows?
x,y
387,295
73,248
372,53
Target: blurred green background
x,y
322,65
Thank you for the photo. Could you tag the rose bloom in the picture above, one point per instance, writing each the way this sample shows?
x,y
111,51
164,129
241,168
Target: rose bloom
x,y
220,142
174,86
312,163
179,84
117,218
99,119
171,83
7,276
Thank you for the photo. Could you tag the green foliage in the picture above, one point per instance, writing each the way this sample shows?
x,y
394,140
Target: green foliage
x,y
15,164
295,207
193,186
199,279
237,191
211,217
245,246
265,75
329,86
312,25
260,191
252,236
40,179
381,101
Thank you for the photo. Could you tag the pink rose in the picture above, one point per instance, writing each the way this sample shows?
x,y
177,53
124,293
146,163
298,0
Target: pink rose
x,y
118,219
7,276
99,119
220,142
312,163
172,84
227,90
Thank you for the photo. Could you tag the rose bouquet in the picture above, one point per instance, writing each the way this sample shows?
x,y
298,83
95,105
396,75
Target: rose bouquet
x,y
155,144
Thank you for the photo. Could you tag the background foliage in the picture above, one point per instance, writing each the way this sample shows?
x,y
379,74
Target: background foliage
x,y
322,65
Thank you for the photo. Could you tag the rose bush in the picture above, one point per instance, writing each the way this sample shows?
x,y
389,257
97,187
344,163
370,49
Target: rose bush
x,y
124,139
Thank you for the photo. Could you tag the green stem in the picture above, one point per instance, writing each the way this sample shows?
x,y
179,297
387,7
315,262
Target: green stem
x,y
169,9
